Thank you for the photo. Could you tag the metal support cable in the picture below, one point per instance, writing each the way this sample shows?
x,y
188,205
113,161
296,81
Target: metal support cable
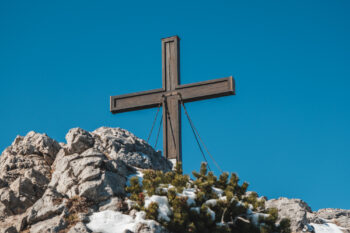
x,y
200,148
160,126
154,121
195,131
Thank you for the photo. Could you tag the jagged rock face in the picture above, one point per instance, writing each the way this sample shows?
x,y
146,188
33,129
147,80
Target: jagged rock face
x,y
294,209
339,216
120,144
44,184
302,217
25,171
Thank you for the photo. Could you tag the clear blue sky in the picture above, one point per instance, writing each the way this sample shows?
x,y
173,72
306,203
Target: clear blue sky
x,y
286,131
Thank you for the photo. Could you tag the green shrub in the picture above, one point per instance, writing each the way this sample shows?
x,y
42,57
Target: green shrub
x,y
219,205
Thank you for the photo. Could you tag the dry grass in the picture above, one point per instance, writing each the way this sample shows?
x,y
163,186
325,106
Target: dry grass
x,y
75,206
57,201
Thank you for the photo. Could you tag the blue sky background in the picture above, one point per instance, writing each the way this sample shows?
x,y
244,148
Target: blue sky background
x,y
287,129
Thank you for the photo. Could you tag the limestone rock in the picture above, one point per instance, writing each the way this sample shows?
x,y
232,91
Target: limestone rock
x,y
34,143
89,174
339,217
46,186
51,225
78,140
12,223
294,209
25,172
79,228
118,143
50,205
114,203
40,178
302,217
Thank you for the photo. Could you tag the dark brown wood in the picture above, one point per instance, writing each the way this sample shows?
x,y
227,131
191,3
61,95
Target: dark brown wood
x,y
169,97
136,101
172,111
207,89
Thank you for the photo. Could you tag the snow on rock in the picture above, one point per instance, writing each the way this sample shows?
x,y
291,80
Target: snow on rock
x,y
211,202
254,217
218,191
190,193
39,176
164,210
115,222
326,228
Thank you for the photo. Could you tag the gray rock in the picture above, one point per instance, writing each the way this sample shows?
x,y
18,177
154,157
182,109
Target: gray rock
x,y
338,216
40,178
78,140
118,143
51,225
34,143
50,205
114,203
294,209
25,172
42,182
79,228
89,175
301,215
146,228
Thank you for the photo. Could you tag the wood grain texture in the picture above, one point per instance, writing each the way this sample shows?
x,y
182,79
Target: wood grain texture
x,y
207,89
169,97
171,108
136,101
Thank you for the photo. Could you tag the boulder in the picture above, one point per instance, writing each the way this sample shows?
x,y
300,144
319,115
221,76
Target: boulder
x,y
25,171
46,186
78,140
339,217
294,209
118,143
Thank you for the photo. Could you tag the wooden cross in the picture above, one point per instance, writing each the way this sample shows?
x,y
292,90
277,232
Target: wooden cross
x,y
170,95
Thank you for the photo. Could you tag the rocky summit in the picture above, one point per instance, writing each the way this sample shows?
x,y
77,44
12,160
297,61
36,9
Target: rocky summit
x,y
46,186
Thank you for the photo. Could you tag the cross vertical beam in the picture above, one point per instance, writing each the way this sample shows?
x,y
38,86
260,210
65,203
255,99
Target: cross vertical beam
x,y
171,106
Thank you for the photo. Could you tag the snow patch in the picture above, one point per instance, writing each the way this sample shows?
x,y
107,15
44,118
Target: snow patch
x,y
254,217
190,193
211,202
164,210
109,221
326,228
218,191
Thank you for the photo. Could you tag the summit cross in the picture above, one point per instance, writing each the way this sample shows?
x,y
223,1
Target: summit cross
x,y
170,97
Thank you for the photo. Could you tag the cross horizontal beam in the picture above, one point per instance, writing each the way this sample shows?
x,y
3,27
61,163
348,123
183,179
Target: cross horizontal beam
x,y
188,92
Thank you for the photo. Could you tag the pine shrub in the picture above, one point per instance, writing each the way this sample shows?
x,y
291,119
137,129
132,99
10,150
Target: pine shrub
x,y
220,205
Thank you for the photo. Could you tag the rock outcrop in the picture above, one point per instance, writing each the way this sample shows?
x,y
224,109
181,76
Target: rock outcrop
x,y
46,186
303,219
